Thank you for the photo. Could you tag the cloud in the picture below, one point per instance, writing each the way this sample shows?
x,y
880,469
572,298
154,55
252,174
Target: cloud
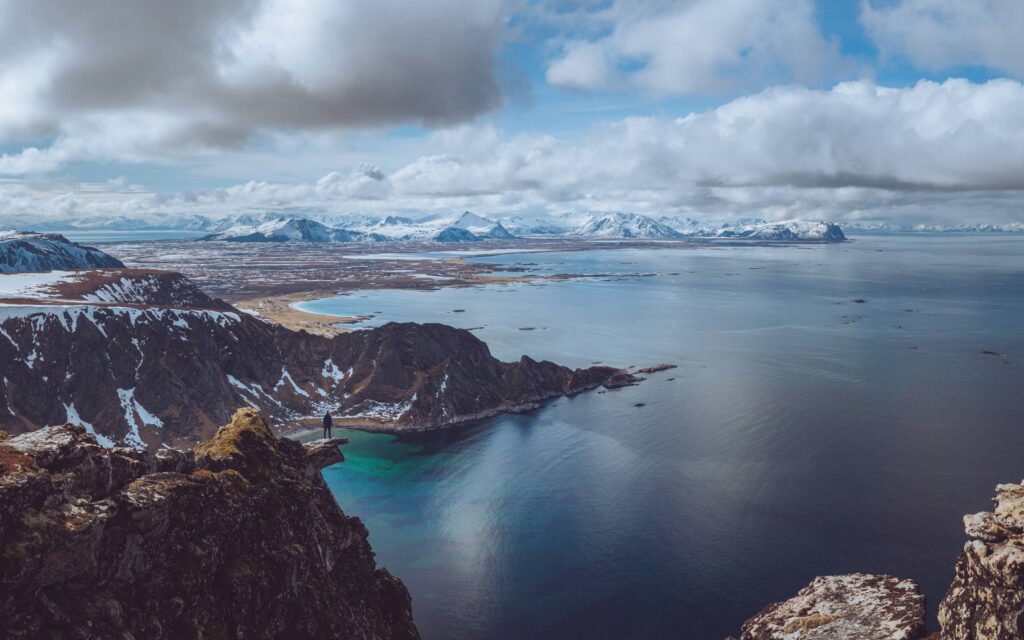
x,y
945,34
929,137
193,75
931,152
698,47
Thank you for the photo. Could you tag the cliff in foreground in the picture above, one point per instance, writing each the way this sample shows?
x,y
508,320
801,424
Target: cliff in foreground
x,y
985,601
238,538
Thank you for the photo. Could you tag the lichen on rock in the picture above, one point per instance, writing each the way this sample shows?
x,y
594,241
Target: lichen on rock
x,y
986,599
845,607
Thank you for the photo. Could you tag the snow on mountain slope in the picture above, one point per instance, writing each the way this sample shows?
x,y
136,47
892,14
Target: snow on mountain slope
x,y
147,359
455,234
482,227
625,225
793,230
535,226
33,284
26,251
886,227
464,228
105,287
292,230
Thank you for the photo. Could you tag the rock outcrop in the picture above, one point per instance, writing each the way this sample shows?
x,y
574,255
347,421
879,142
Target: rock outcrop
x,y
144,358
847,607
986,599
239,538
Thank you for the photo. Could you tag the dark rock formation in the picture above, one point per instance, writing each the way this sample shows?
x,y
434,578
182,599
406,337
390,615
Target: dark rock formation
x,y
239,538
455,234
656,368
986,599
27,251
848,607
144,358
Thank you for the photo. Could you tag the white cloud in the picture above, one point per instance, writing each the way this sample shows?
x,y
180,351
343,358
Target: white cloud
x,y
930,152
698,46
145,79
944,34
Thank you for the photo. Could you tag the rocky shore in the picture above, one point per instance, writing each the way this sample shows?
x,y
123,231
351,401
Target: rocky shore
x,y
237,538
985,601
145,358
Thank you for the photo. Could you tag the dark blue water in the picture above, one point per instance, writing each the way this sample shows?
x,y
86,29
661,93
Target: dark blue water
x,y
802,434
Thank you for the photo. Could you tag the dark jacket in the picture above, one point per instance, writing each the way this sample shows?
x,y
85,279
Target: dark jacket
x,y
327,421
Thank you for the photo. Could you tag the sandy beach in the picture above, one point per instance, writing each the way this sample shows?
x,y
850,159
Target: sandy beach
x,y
279,310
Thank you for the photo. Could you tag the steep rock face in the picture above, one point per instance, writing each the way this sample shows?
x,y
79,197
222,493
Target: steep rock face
x,y
239,538
986,599
26,251
417,376
144,374
847,607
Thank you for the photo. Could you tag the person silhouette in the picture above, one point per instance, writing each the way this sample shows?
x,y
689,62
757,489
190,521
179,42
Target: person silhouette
x,y
327,425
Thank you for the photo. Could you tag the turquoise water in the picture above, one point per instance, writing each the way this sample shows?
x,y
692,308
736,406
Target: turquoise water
x,y
803,434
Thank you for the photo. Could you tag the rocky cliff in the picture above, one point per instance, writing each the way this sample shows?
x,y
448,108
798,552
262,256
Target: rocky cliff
x,y
985,601
238,538
144,358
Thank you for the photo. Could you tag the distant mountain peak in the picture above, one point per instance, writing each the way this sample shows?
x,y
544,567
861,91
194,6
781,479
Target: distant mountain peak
x,y
625,226
23,251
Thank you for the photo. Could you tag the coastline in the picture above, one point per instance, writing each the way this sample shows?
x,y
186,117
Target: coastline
x,y
307,425
280,309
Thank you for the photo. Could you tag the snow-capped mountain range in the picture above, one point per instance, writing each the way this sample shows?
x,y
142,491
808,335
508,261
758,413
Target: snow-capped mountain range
x,y
419,227
886,227
470,227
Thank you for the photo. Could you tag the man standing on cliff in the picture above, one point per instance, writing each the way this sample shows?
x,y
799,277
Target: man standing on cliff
x,y
327,425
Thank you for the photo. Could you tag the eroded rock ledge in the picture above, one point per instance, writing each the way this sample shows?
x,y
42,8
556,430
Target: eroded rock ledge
x,y
239,538
985,601
857,606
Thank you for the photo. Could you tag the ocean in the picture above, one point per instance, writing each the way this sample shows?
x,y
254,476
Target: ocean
x,y
836,408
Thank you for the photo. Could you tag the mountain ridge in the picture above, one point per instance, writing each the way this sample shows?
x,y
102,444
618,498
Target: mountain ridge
x,y
144,358
27,251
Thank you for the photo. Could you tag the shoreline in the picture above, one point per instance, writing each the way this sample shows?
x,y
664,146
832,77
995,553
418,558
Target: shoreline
x,y
279,309
282,309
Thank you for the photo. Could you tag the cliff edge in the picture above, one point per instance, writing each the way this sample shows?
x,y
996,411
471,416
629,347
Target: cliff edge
x,y
238,538
985,601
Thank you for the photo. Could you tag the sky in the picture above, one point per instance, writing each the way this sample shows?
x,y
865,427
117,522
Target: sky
x,y
899,111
